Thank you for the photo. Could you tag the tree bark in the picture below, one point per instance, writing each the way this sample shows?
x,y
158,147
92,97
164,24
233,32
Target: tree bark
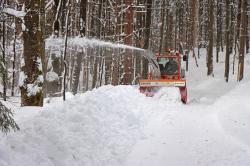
x,y
147,37
218,29
77,68
32,86
65,50
128,61
4,64
99,49
226,75
163,25
211,41
54,87
194,7
243,33
76,72
14,61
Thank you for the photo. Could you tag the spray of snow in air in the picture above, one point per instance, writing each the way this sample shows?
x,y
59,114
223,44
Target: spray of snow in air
x,y
88,42
83,42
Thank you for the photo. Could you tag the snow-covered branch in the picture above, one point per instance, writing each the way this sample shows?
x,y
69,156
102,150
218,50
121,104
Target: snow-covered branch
x,y
14,12
1,47
49,4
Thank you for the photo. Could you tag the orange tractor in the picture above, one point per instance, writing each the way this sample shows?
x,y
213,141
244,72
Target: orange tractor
x,y
165,71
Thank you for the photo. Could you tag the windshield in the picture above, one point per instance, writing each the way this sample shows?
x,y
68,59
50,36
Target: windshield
x,y
168,66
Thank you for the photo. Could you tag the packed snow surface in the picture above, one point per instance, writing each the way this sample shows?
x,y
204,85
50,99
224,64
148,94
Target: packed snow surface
x,y
118,126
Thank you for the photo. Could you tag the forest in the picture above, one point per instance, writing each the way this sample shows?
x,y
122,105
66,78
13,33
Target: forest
x,y
85,83
52,47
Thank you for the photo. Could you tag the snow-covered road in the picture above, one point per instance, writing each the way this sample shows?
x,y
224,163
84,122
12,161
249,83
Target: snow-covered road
x,y
216,134
212,129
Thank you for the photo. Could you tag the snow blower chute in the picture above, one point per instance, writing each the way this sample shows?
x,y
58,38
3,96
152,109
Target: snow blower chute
x,y
165,71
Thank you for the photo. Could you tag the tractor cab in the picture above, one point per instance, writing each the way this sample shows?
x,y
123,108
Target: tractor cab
x,y
168,66
170,75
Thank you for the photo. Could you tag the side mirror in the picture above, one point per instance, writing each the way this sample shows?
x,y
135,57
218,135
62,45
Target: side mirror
x,y
184,57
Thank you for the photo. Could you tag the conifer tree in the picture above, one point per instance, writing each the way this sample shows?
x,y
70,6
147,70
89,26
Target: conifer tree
x,y
6,119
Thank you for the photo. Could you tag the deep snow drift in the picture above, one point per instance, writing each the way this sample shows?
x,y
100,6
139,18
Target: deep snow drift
x,y
113,126
96,128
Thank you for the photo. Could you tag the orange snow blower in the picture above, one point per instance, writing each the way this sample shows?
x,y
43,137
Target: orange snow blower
x,y
165,71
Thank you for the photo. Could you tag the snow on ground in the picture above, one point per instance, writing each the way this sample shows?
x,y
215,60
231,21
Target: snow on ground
x,y
212,129
113,126
96,128
193,135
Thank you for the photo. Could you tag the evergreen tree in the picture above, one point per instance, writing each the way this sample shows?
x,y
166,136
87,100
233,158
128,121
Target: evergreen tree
x,y
6,119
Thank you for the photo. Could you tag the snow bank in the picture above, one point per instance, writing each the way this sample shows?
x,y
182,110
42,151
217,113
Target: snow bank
x,y
170,95
92,129
234,113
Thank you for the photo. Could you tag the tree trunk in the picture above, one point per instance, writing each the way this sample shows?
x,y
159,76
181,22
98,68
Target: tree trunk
x,y
65,50
163,25
99,49
77,68
226,75
247,35
147,37
211,41
96,62
83,20
32,85
218,29
194,13
76,72
4,64
108,63
14,62
128,61
116,69
54,87
115,73
43,58
243,33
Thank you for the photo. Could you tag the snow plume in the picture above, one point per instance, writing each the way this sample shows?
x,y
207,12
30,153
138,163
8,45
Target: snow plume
x,y
87,42
56,45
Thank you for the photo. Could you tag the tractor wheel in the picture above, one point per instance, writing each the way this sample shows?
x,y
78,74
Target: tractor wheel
x,y
183,91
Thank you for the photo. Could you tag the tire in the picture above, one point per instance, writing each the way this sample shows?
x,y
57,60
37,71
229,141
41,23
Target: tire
x,y
183,73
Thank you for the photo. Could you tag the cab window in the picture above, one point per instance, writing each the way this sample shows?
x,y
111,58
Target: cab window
x,y
168,66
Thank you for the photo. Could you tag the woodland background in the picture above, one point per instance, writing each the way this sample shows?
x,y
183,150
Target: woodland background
x,y
37,61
